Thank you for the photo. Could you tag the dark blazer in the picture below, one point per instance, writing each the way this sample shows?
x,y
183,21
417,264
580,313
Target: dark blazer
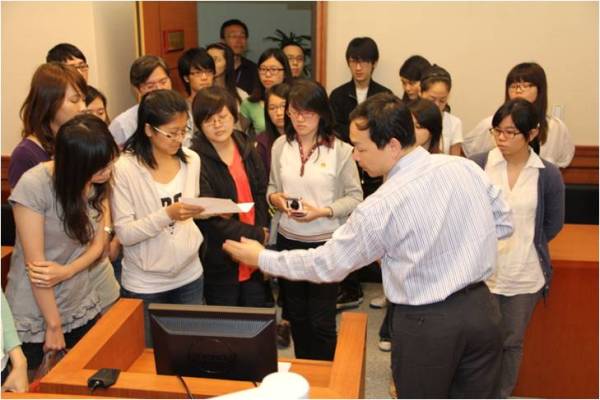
x,y
216,181
343,102
549,214
246,75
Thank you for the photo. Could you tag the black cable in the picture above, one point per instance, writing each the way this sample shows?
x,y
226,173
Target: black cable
x,y
95,386
187,389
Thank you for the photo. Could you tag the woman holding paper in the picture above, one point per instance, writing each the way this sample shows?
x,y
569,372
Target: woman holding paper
x,y
231,169
160,240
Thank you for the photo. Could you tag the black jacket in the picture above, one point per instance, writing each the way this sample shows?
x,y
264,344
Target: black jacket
x,y
343,101
216,181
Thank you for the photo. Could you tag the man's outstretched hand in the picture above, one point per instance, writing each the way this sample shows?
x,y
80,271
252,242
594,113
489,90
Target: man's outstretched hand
x,y
245,251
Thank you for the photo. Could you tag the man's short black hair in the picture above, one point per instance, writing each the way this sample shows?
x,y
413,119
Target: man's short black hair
x,y
387,118
231,22
143,67
362,49
63,52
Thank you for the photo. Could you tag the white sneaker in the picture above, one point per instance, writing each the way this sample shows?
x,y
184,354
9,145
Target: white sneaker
x,y
378,302
385,345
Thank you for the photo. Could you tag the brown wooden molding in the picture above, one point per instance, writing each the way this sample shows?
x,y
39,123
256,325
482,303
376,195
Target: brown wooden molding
x,y
5,186
583,170
320,42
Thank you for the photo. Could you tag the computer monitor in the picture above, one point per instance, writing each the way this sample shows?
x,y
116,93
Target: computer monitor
x,y
213,341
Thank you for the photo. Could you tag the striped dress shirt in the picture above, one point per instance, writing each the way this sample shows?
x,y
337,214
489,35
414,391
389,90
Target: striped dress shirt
x,y
434,224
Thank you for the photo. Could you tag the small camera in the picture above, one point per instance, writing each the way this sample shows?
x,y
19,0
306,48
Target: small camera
x,y
295,204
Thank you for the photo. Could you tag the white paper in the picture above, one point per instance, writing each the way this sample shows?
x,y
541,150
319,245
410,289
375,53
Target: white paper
x,y
214,205
283,366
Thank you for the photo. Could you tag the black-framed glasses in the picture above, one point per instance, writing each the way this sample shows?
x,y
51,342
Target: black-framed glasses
x,y
520,86
508,133
270,70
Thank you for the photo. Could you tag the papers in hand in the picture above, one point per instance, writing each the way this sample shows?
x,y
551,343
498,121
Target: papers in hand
x,y
214,205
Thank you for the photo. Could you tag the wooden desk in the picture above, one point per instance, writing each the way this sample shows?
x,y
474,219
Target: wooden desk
x,y
117,341
561,345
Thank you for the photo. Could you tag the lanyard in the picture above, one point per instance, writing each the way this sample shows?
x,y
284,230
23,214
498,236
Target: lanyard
x,y
303,159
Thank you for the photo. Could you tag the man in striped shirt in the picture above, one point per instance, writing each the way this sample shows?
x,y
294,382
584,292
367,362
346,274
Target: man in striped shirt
x,y
434,224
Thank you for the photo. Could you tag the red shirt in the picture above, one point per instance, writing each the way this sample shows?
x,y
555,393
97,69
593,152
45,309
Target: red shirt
x,y
244,195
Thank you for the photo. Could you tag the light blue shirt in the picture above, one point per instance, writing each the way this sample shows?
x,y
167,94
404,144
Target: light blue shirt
x,y
434,224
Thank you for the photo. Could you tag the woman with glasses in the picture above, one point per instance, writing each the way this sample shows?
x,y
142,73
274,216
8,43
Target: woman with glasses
x,y
160,240
314,185
436,85
528,81
231,169
60,209
534,189
273,68
296,57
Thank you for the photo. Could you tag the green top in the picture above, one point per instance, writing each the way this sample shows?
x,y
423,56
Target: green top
x,y
10,339
255,112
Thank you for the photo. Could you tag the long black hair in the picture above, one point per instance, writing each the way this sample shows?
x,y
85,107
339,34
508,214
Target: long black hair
x,y
533,73
229,68
84,146
258,93
281,90
156,108
413,69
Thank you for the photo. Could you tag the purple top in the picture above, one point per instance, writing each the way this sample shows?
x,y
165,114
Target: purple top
x,y
26,155
263,146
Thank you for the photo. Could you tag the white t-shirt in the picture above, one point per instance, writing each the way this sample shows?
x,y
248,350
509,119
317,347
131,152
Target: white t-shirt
x,y
559,148
451,132
518,269
361,95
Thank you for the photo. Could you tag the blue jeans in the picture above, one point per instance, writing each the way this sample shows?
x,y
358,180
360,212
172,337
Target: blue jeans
x,y
191,293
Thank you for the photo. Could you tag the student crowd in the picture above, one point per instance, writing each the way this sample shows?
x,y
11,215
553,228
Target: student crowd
x,y
99,213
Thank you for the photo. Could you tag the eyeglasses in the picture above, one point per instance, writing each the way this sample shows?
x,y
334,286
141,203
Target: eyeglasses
x,y
269,70
295,59
508,133
220,118
149,86
520,86
235,36
83,67
356,61
304,114
179,135
273,107
201,72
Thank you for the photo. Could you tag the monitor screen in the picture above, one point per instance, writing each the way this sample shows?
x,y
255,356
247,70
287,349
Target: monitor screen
x,y
213,341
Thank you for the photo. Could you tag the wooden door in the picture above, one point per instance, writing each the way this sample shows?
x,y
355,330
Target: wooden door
x,y
167,29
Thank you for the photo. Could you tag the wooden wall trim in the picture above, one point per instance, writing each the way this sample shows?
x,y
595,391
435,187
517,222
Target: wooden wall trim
x,y
583,170
5,186
320,43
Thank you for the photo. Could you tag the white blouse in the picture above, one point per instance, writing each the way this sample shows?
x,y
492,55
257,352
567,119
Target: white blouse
x,y
451,132
518,269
